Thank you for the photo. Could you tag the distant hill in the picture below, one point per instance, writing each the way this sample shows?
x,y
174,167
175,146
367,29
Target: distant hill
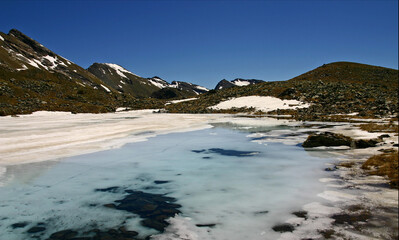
x,y
351,72
335,88
238,82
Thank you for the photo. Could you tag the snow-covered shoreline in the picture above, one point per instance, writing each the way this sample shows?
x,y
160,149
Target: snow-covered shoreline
x,y
50,135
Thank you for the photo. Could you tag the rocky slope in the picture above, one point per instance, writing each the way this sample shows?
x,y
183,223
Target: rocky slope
x,y
335,88
224,84
34,78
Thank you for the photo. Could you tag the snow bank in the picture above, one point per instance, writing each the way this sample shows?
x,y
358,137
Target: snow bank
x,y
181,100
264,104
49,135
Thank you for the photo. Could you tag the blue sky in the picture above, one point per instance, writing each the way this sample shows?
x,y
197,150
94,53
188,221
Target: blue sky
x,y
205,41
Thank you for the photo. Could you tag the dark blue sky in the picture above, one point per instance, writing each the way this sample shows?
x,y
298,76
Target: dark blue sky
x,y
205,41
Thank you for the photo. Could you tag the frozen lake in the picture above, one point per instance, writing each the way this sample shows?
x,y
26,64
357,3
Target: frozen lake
x,y
225,182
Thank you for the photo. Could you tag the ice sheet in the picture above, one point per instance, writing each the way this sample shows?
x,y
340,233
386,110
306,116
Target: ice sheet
x,y
249,193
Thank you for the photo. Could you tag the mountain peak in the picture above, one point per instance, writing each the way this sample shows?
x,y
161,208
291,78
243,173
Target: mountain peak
x,y
29,41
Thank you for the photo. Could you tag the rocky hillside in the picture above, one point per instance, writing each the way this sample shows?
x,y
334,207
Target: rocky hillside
x,y
239,82
34,78
334,88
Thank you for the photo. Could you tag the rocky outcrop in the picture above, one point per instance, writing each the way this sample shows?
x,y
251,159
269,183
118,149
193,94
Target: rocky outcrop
x,y
329,139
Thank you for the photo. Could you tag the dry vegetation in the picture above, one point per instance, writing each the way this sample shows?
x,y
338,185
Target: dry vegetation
x,y
374,127
385,164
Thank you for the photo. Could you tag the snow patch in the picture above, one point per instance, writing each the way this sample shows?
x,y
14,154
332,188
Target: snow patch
x,y
174,85
39,63
106,89
180,228
181,100
335,196
120,70
24,67
157,84
1,38
202,88
241,83
53,61
264,104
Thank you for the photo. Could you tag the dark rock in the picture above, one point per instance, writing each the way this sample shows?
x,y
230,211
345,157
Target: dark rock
x,y
155,224
285,227
389,150
127,233
327,139
301,214
198,151
351,218
110,189
327,234
110,205
366,143
383,136
330,169
261,212
19,225
36,229
210,225
160,182
64,234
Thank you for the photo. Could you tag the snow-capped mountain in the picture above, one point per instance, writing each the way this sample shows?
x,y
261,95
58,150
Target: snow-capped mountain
x,y
223,84
125,81
184,86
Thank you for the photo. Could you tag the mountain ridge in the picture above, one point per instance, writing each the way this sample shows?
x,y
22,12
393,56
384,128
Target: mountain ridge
x,y
34,78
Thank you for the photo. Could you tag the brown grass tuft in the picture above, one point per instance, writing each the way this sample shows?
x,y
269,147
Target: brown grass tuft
x,y
374,127
385,164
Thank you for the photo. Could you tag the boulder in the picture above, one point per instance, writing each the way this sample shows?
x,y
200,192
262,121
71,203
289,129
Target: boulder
x,y
327,139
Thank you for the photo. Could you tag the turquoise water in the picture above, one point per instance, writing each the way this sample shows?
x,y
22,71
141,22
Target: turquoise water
x,y
228,186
